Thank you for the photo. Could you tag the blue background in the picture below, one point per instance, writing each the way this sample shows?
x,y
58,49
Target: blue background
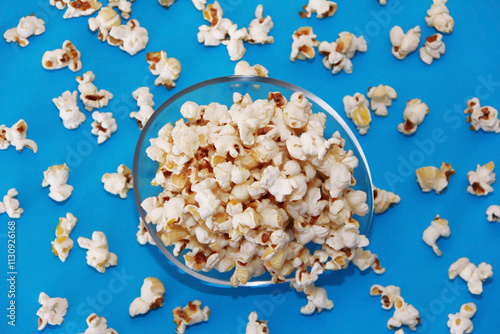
x,y
469,68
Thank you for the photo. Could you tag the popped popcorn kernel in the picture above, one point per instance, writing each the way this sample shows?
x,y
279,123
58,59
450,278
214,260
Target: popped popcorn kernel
x,y
430,178
98,325
130,37
484,118
56,178
98,254
103,126
460,322
304,42
364,259
381,97
388,294
438,17
59,4
190,314
27,27
333,59
322,8
356,108
106,19
166,3
118,183
492,213
89,95
255,326
52,310
79,8
152,295
243,68
317,299
142,235
413,115
69,112
383,200
433,48
145,103
167,69
474,276
199,4
63,244
125,7
438,228
259,28
404,44
216,32
235,47
16,136
10,204
480,181
68,56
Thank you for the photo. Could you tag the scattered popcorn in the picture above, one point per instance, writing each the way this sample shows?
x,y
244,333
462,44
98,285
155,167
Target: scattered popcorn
x,y
433,48
481,180
189,315
216,32
259,28
243,68
143,236
404,314
334,60
16,136
235,47
69,112
460,323
485,118
63,244
166,3
145,103
68,56
493,213
27,27
438,228
399,331
103,126
98,325
474,276
430,178
90,96
59,4
56,177
317,299
304,41
413,115
167,69
356,108
383,200
388,294
349,44
152,294
322,8
381,98
52,311
10,205
438,17
98,254
79,8
125,7
255,326
383,3
106,19
364,259
130,37
404,44
199,4
118,183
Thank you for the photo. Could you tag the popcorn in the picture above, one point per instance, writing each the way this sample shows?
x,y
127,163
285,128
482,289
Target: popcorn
x,y
388,294
145,103
190,314
52,311
98,325
438,17
27,27
130,37
474,276
365,259
322,8
10,205
106,19
349,44
59,4
413,115
69,112
356,108
404,44
103,126
90,96
255,326
167,69
243,68
125,7
481,180
485,118
199,4
16,136
216,32
430,178
234,44
381,98
68,56
317,299
166,3
433,48
334,60
399,331
56,177
98,254
143,236
79,8
152,294
383,200
259,28
304,41
118,183
63,244
460,323
438,228
493,213
383,3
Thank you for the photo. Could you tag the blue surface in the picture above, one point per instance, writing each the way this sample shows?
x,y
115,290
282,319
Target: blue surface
x,y
469,67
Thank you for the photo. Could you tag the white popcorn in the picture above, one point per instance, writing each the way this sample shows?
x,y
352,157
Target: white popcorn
x,y
152,295
383,3
404,314
234,44
118,183
481,180
259,28
145,103
106,19
322,8
364,259
438,228
68,56
243,68
63,244
166,3
356,108
492,213
433,48
56,177
98,325
130,37
16,136
381,97
103,126
69,112
430,178
255,326
304,41
79,8
59,4
460,323
167,69
399,331
27,27
143,236
216,32
349,44
388,294
485,118
125,7
413,115
383,200
317,300
98,254
404,44
334,60
199,4
90,96
52,311
190,314
438,17
10,205
474,276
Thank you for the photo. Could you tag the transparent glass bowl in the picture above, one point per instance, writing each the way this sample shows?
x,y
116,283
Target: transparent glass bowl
x,y
221,90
